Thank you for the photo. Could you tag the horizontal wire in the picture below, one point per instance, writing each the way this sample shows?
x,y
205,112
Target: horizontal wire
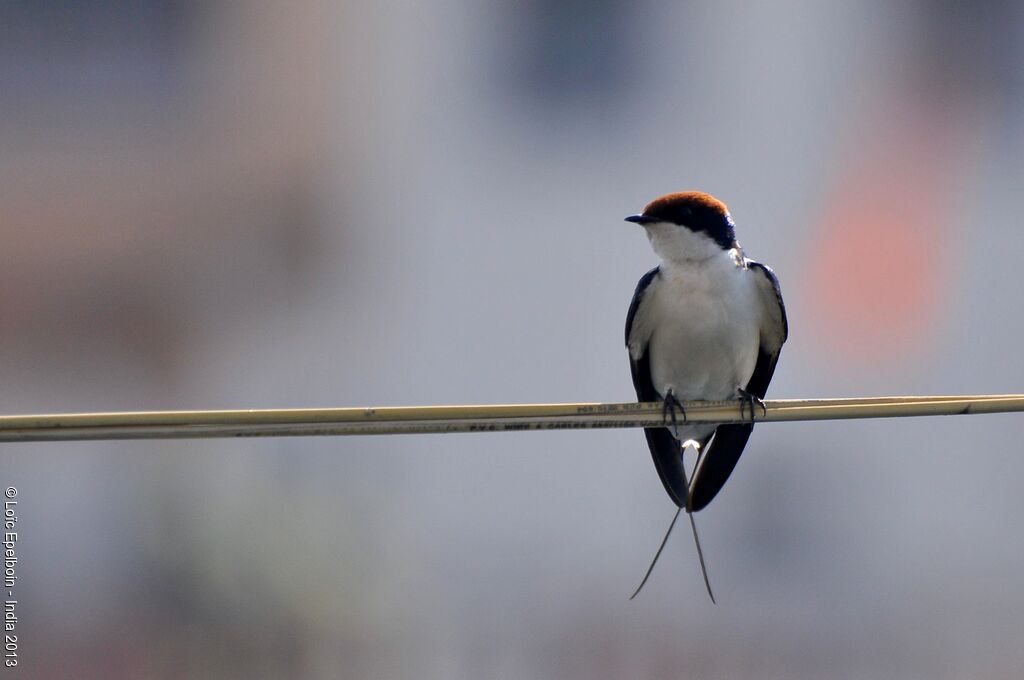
x,y
482,418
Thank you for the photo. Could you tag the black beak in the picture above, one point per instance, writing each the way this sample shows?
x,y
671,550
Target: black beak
x,y
641,219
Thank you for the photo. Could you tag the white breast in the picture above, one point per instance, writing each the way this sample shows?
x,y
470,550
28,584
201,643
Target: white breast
x,y
700,323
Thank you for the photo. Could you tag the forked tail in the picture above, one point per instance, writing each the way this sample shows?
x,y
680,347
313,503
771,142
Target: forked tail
x,y
696,539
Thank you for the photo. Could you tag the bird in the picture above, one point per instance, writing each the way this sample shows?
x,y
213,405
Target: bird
x,y
708,323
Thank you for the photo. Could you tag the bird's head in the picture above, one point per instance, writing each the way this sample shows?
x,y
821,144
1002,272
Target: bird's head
x,y
688,225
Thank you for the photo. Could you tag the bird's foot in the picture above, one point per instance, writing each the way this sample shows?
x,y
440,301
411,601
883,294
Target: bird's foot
x,y
750,400
668,412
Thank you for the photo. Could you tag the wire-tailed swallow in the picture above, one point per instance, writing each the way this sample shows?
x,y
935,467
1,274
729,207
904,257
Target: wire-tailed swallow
x,y
707,324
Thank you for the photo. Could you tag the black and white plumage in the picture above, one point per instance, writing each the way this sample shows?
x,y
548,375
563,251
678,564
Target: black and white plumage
x,y
707,324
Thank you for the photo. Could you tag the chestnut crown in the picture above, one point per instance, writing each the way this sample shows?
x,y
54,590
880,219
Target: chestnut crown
x,y
695,210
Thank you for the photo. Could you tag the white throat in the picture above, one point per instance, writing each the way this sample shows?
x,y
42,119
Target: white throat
x,y
677,245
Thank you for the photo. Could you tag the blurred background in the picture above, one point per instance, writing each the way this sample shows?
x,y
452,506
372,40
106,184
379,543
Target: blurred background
x,y
243,205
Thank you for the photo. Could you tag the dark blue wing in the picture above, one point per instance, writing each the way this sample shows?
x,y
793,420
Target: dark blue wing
x,y
774,332
634,305
665,449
